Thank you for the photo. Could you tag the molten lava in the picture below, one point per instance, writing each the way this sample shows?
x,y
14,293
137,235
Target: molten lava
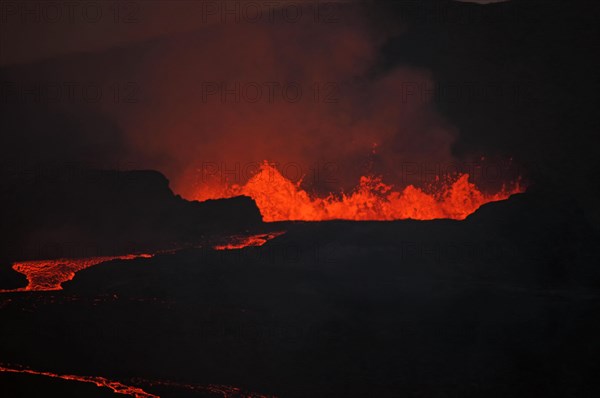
x,y
48,275
279,199
115,386
239,242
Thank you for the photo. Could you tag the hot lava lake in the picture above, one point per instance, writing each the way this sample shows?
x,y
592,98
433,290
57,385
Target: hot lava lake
x,y
280,199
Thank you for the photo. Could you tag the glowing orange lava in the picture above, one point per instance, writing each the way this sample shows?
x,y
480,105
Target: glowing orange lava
x,y
219,390
115,386
279,199
239,242
48,275
120,388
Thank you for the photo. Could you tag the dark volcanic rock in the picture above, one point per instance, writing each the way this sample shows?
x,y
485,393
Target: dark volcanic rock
x,y
9,278
341,308
25,385
82,213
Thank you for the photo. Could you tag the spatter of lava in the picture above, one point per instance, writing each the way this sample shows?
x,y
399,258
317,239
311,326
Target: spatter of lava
x,y
279,199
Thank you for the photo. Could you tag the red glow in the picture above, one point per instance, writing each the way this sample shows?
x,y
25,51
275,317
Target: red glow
x,y
279,199
239,242
120,388
212,389
48,275
115,386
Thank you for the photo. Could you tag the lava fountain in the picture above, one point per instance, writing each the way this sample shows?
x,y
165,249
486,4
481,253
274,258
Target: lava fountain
x,y
280,199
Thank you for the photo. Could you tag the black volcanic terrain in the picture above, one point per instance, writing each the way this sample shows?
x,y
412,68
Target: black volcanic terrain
x,y
502,304
78,213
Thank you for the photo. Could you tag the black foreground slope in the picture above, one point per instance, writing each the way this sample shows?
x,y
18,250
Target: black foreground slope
x,y
74,213
503,304
16,385
111,210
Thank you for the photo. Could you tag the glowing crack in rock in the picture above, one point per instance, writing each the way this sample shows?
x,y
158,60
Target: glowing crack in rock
x,y
137,392
48,275
115,386
219,390
239,242
279,199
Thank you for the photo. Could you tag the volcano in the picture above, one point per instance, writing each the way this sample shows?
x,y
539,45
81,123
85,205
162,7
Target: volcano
x,y
299,199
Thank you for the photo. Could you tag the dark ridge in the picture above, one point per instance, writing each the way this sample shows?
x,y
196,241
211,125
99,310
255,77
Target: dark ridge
x,y
85,213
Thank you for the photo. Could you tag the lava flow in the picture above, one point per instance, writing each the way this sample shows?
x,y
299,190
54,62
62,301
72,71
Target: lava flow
x,y
239,242
123,389
48,275
279,199
115,386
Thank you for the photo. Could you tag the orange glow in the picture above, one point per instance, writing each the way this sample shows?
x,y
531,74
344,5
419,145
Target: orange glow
x,y
115,386
239,242
48,275
123,389
219,390
279,199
